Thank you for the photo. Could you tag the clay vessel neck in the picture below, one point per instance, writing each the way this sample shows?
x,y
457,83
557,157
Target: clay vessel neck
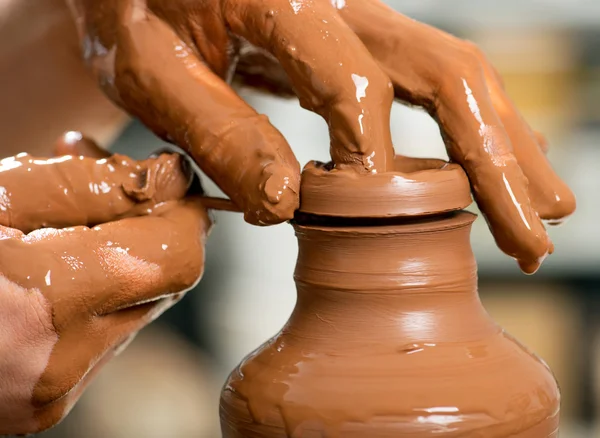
x,y
415,281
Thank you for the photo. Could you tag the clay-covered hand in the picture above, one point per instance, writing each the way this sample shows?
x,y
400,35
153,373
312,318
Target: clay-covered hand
x,y
70,300
169,62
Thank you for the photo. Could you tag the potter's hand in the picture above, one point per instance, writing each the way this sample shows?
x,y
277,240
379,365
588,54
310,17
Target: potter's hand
x,y
82,190
168,63
70,299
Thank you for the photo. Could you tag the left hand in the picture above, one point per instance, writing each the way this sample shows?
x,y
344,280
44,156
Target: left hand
x,y
71,299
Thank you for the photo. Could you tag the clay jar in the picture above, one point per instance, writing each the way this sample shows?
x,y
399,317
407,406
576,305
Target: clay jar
x,y
389,339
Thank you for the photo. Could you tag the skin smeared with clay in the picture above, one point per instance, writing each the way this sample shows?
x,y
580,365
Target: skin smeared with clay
x,y
345,60
90,289
84,290
75,190
389,339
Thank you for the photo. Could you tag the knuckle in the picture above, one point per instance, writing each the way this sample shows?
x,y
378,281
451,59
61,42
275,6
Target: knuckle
x,y
465,59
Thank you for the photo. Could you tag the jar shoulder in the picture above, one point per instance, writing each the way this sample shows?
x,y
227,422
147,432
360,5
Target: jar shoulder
x,y
492,385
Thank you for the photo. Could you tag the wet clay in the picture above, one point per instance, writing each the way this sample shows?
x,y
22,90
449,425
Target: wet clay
x,y
80,289
416,187
389,339
78,190
345,60
81,295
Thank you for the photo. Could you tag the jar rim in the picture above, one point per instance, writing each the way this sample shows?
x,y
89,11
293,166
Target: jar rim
x,y
416,187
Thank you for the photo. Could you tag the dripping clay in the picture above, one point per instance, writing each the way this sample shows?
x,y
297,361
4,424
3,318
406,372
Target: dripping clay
x,y
388,337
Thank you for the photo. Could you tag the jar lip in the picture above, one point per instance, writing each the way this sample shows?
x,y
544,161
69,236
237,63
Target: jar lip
x,y
337,226
415,187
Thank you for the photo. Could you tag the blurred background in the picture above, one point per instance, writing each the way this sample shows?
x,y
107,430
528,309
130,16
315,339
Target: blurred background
x,y
167,383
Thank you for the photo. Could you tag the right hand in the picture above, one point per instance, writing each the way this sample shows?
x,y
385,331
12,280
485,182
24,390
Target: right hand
x,y
168,62
71,299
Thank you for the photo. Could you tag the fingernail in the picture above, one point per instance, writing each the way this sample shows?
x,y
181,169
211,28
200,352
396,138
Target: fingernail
x,y
281,179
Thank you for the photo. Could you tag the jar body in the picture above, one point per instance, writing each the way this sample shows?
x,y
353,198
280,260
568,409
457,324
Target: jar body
x,y
409,353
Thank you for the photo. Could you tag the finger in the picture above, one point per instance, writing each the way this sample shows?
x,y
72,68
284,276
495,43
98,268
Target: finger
x,y
113,266
460,102
76,144
476,139
70,191
550,196
236,147
331,71
409,52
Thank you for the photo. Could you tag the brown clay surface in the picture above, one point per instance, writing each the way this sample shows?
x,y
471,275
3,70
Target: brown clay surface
x,y
72,298
77,190
415,187
346,60
389,339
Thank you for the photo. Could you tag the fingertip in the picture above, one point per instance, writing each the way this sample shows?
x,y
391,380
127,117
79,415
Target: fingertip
x,y
280,179
526,241
277,197
558,206
531,266
173,176
273,214
540,248
528,267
